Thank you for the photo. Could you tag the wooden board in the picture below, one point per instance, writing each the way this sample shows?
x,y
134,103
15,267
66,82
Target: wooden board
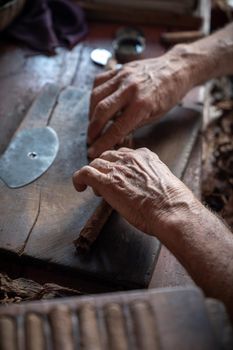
x,y
123,14
41,220
162,319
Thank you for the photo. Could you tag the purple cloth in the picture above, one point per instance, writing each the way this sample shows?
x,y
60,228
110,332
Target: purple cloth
x,y
46,24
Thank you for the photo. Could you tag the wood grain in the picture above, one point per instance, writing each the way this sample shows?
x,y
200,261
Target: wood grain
x,y
22,75
59,212
62,211
114,13
19,207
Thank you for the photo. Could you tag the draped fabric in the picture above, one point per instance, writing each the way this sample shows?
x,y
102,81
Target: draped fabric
x,y
46,24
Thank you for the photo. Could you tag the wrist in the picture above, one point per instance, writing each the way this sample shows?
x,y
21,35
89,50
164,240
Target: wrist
x,y
207,58
193,64
175,215
183,69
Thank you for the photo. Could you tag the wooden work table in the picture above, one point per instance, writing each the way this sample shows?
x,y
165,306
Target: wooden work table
x,y
23,74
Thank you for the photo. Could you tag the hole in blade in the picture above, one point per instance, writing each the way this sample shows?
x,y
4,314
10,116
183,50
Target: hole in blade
x,y
32,155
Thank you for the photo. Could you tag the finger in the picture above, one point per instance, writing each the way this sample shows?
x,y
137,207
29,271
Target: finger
x,y
103,77
105,110
102,165
101,92
118,130
88,176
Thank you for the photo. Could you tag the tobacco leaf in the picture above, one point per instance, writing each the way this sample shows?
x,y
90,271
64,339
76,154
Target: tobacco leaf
x,y
22,289
217,169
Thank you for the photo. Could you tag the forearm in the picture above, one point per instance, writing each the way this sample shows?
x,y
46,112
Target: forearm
x,y
204,246
207,58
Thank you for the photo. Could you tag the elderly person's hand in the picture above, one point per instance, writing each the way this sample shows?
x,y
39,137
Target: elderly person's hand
x,y
143,91
133,96
138,185
143,190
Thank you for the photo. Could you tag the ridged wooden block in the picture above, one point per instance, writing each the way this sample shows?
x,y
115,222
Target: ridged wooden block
x,y
165,319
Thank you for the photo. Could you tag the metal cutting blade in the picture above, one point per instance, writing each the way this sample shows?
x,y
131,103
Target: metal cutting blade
x,y
29,155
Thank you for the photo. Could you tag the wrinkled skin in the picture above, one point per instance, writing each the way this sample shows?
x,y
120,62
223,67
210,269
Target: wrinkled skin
x,y
143,91
143,190
137,184
140,92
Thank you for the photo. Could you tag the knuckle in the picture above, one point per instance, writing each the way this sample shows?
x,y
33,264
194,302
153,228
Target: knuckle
x,y
106,153
101,107
145,151
116,177
156,156
94,162
122,150
127,158
124,73
85,170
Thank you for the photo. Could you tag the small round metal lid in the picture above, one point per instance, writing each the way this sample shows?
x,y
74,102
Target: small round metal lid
x,y
100,56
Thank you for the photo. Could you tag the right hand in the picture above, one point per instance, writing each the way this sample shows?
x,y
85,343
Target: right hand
x,y
138,185
140,92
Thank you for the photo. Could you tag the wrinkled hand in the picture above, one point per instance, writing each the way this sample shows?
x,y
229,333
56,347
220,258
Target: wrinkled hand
x,y
133,96
137,184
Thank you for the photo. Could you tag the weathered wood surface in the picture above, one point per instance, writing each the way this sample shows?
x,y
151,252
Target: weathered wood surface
x,y
59,213
162,319
117,13
39,206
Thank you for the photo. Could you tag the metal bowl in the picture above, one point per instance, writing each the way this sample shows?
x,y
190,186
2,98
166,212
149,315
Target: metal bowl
x,y
9,11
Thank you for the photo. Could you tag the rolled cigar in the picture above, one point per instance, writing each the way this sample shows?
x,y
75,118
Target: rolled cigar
x,y
93,227
91,230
